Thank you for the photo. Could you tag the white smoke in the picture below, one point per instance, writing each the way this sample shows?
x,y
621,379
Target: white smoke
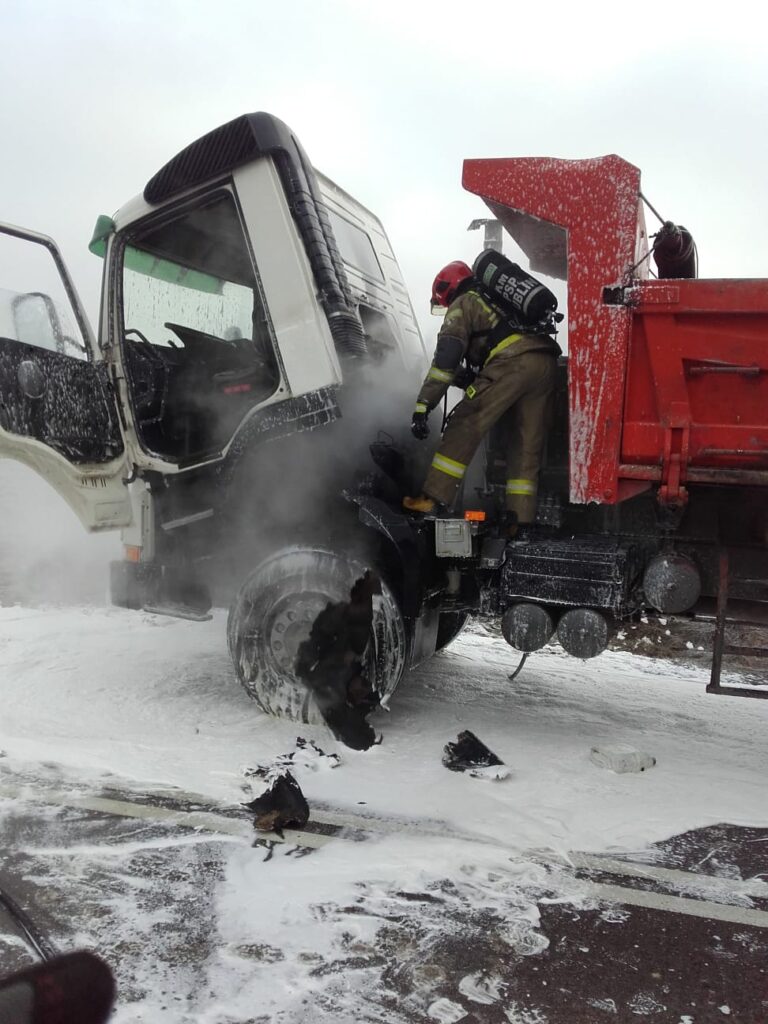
x,y
46,556
292,489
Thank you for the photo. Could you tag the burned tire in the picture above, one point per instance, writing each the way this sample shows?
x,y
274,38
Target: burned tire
x,y
273,613
449,627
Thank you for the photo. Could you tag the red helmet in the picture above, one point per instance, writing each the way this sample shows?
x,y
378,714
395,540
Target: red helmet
x,y
447,281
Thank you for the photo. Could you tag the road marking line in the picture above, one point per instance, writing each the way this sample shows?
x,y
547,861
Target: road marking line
x,y
390,826
715,885
679,905
205,820
675,876
217,823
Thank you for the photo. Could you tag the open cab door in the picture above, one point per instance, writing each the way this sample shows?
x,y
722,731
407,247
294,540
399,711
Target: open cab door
x,y
58,413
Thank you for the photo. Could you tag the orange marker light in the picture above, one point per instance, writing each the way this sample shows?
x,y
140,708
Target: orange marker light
x,y
475,515
132,553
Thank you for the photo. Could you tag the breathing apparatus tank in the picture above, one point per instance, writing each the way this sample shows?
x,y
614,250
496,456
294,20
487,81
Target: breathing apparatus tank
x,y
522,297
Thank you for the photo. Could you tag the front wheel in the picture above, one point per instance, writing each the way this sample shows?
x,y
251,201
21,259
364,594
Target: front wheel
x,y
273,614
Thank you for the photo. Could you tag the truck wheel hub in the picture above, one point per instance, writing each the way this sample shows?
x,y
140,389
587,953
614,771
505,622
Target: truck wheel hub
x,y
289,626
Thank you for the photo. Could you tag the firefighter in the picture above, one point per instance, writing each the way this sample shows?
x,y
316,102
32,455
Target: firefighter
x,y
515,371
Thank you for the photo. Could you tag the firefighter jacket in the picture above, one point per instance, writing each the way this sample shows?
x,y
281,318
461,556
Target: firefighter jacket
x,y
477,331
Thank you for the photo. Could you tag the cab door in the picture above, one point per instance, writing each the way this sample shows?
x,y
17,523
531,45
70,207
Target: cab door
x,y
58,413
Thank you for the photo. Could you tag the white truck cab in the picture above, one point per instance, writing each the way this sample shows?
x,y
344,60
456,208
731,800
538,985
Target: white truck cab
x,y
246,299
225,295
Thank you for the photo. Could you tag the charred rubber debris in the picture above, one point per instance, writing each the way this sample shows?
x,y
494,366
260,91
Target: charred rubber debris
x,y
469,754
282,804
331,664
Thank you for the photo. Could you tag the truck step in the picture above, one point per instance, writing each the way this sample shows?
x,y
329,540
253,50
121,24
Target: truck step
x,y
178,611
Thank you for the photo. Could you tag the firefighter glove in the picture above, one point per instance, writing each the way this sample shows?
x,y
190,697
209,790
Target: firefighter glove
x,y
463,377
419,425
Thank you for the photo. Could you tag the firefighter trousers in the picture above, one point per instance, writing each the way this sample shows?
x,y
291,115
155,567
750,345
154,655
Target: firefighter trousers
x,y
520,385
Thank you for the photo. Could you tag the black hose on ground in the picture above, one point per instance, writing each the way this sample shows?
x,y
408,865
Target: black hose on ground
x,y
519,668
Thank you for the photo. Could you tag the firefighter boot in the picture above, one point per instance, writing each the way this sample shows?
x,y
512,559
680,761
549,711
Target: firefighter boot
x,y
511,529
508,525
425,505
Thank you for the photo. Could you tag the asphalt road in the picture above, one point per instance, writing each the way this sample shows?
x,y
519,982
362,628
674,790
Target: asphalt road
x,y
673,933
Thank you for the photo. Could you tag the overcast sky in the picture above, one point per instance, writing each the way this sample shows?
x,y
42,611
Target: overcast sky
x,y
388,98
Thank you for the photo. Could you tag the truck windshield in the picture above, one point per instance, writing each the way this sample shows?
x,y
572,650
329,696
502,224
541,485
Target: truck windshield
x,y
195,271
195,331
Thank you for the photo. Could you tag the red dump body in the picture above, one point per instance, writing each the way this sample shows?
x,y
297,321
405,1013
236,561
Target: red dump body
x,y
668,379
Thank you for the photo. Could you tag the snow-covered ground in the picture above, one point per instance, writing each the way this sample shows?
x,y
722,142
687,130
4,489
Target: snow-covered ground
x,y
154,701
205,928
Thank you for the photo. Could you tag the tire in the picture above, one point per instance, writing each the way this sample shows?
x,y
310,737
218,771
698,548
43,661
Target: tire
x,y
449,626
273,613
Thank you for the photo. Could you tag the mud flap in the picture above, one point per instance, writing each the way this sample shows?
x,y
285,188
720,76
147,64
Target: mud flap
x,y
424,643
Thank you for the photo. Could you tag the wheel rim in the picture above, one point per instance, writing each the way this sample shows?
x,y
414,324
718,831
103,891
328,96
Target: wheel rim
x,y
287,626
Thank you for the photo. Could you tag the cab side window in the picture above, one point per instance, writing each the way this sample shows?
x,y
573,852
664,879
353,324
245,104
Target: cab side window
x,y
356,247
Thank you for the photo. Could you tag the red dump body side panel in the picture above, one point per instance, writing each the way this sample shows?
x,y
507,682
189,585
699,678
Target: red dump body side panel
x,y
697,382
669,383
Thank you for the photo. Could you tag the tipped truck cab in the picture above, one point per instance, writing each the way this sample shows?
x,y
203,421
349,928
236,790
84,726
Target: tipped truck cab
x,y
246,299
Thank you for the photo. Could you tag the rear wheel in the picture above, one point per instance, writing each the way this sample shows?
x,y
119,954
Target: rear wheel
x,y
273,613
